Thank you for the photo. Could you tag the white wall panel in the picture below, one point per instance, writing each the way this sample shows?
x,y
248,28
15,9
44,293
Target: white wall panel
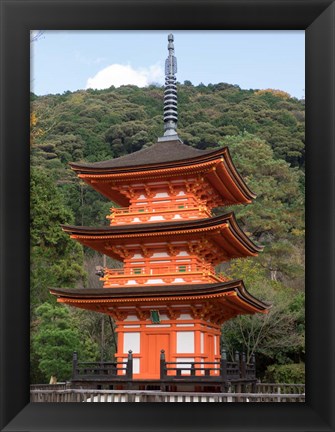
x,y
136,365
185,342
131,341
202,342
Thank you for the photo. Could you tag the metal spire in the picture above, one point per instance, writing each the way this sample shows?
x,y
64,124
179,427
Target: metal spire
x,y
170,95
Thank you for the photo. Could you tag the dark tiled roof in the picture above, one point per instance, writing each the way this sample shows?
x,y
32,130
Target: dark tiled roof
x,y
165,227
159,291
149,227
158,153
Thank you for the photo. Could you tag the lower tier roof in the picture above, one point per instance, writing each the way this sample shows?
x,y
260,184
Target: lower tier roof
x,y
231,297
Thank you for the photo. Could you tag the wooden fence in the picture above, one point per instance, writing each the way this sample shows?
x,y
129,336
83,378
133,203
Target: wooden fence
x,y
79,395
102,371
57,386
280,388
224,371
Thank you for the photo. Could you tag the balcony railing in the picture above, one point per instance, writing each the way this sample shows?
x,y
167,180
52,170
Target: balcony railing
x,y
158,209
169,208
162,271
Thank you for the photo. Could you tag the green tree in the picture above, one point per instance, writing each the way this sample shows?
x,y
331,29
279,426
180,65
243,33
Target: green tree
x,y
276,218
288,373
275,337
55,339
56,260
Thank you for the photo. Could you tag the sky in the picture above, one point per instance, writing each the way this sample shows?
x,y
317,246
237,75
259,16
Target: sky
x,y
72,60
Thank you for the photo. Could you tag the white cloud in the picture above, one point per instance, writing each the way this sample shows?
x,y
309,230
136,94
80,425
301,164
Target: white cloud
x,y
118,75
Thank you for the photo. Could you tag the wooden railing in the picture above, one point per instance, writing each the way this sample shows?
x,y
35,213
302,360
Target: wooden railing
x,y
219,371
176,270
79,395
168,208
236,376
102,371
153,209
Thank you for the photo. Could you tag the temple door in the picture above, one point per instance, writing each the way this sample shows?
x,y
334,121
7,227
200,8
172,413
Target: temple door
x,y
155,343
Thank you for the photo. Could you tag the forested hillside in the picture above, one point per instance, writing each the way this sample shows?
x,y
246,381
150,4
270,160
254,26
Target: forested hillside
x,y
264,131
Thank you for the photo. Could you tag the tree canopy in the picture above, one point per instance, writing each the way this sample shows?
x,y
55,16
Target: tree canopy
x,y
58,336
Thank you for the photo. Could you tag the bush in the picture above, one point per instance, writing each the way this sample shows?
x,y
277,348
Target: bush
x,y
290,374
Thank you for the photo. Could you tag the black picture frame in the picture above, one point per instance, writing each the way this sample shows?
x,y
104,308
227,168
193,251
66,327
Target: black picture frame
x,y
317,17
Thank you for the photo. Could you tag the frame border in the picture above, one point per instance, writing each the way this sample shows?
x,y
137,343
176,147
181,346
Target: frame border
x,y
317,17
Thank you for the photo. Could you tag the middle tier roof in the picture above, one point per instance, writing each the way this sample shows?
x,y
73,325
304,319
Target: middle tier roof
x,y
221,236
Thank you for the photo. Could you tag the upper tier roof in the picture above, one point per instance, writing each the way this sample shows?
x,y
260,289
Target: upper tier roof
x,y
153,156
168,159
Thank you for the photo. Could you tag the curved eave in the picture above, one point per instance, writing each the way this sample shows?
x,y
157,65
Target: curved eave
x,y
239,233
233,293
108,183
231,181
223,230
226,179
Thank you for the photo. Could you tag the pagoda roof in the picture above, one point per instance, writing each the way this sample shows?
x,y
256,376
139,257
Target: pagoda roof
x,y
167,159
223,229
165,153
234,293
159,291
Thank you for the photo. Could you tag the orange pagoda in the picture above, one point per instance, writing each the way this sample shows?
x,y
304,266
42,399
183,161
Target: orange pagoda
x,y
167,301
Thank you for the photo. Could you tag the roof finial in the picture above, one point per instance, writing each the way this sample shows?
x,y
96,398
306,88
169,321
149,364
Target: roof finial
x,y
170,95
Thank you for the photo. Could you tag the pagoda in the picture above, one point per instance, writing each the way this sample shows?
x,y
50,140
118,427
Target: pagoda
x,y
167,296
